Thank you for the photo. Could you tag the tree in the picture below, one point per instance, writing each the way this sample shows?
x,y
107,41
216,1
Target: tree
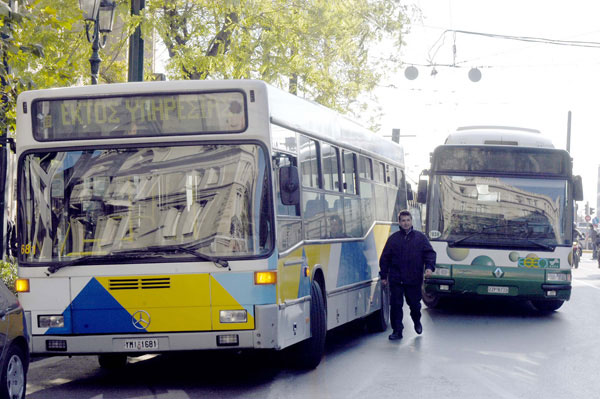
x,y
326,50
44,45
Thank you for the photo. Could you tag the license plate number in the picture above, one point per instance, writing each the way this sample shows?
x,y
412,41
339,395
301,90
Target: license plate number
x,y
497,290
140,344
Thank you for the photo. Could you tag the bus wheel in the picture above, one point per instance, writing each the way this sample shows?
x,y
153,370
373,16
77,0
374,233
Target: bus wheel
x,y
431,300
380,319
310,351
548,306
112,361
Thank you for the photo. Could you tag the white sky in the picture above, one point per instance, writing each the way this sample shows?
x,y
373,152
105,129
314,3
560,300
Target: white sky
x,y
523,84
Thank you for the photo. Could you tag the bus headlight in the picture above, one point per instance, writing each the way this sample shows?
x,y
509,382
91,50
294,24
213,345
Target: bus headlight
x,y
233,316
551,276
49,321
441,271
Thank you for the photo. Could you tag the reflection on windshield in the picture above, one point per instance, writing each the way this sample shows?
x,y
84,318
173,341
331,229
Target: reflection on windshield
x,y
101,202
486,210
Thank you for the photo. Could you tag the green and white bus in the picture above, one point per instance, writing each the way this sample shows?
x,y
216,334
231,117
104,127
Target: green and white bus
x,y
190,215
500,213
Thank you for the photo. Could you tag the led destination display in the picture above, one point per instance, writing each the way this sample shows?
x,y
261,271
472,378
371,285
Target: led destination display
x,y
148,115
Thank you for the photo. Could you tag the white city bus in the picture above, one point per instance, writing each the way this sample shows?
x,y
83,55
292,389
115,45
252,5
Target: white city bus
x,y
169,216
500,206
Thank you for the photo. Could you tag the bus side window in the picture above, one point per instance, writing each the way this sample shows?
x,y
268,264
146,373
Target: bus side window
x,y
309,163
331,176
349,172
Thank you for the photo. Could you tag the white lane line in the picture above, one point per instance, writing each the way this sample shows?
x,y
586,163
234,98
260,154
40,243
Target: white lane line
x,y
588,284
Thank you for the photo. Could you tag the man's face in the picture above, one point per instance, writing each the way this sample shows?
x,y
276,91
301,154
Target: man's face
x,y
405,222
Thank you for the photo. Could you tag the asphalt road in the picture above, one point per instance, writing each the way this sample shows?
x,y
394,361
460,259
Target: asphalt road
x,y
491,349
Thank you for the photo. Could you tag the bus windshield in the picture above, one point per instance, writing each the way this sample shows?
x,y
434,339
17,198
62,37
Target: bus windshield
x,y
140,202
498,211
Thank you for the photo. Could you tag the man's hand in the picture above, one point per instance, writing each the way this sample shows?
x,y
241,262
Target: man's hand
x,y
428,272
384,282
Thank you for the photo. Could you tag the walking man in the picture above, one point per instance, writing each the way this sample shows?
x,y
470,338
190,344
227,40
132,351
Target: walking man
x,y
401,267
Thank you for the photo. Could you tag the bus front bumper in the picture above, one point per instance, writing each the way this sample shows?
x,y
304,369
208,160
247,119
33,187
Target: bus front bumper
x,y
494,287
264,336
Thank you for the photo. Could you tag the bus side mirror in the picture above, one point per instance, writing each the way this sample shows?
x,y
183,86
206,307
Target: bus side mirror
x,y
289,185
422,191
409,192
577,188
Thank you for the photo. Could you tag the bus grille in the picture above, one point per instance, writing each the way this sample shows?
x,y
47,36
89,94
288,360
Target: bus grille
x,y
139,283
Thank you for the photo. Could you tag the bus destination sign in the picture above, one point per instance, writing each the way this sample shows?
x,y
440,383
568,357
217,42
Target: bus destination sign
x,y
142,115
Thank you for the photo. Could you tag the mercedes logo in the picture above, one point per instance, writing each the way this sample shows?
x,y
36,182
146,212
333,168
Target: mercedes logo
x,y
140,319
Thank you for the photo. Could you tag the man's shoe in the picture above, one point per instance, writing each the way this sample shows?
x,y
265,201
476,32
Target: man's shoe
x,y
395,336
418,328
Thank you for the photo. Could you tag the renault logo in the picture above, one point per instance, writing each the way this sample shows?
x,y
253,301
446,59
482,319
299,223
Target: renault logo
x,y
498,273
140,319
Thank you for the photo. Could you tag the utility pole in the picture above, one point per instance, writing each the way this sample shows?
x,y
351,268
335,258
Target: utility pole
x,y
136,47
569,132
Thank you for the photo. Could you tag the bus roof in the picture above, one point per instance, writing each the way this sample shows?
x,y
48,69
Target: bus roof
x,y
309,117
499,135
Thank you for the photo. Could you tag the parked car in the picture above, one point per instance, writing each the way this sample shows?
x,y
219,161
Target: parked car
x,y
14,348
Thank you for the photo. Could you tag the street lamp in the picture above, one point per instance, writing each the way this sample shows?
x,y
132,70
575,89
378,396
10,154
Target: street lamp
x,y
100,14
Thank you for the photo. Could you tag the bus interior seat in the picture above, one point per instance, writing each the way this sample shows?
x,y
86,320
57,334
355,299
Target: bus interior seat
x,y
313,208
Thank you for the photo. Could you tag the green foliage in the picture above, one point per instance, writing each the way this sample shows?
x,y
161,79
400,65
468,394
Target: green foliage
x,y
45,45
8,274
327,50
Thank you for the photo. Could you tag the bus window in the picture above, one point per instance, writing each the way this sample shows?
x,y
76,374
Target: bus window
x,y
331,176
314,215
309,163
335,216
354,226
349,171
366,170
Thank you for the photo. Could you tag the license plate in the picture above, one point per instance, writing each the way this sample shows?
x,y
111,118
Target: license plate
x,y
497,290
140,344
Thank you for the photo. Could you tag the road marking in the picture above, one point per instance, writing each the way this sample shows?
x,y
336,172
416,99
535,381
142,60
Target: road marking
x,y
588,284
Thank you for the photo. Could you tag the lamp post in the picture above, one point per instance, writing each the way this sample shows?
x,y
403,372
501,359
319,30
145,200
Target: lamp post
x,y
100,14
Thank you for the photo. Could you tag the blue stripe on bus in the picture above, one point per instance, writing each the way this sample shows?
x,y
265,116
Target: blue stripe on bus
x,y
242,288
354,266
96,311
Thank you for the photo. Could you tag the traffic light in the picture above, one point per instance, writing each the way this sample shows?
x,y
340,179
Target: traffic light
x,y
587,208
592,211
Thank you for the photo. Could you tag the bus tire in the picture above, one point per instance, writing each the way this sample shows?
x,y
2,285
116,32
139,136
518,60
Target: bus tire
x,y
547,306
112,361
14,374
431,300
310,351
380,319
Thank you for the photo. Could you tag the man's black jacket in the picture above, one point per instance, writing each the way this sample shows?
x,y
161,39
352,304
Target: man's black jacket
x,y
403,257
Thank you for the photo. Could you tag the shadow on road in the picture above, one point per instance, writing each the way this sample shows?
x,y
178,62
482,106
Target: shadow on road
x,y
488,307
220,373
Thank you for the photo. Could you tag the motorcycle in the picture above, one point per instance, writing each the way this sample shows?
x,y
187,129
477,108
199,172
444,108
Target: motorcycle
x,y
577,254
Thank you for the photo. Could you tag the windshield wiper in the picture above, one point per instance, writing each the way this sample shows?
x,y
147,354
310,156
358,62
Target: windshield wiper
x,y
219,262
137,254
453,243
78,261
540,244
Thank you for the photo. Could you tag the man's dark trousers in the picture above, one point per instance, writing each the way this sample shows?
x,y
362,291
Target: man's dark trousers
x,y
398,292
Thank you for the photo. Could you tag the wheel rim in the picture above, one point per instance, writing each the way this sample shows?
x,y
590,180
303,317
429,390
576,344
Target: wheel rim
x,y
15,377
